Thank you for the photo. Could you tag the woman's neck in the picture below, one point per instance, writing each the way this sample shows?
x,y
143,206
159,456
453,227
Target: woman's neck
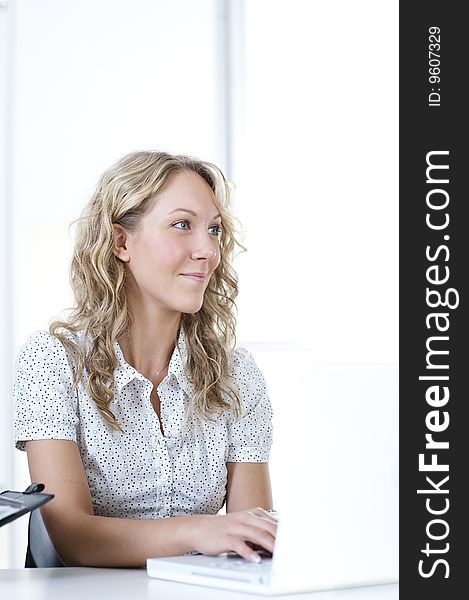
x,y
148,345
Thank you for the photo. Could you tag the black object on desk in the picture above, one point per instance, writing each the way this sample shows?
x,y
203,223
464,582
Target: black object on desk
x,y
15,504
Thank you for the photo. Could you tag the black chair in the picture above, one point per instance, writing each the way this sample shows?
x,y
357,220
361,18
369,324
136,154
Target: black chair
x,y
41,552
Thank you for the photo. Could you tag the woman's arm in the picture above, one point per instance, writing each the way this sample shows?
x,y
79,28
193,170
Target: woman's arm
x,y
83,539
248,485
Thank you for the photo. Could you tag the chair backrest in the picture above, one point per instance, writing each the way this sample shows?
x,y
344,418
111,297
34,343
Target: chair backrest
x,y
41,552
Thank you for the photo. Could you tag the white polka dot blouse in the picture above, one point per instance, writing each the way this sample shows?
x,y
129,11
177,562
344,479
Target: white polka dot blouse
x,y
141,473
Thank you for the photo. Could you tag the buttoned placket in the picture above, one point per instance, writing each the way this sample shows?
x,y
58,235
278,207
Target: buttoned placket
x,y
125,373
161,453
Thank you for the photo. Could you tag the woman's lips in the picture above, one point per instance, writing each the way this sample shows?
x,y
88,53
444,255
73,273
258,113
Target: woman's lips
x,y
198,277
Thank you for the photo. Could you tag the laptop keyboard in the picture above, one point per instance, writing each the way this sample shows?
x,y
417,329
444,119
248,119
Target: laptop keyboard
x,y
239,564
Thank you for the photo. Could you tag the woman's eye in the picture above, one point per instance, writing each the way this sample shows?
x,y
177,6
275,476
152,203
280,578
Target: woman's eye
x,y
216,230
184,225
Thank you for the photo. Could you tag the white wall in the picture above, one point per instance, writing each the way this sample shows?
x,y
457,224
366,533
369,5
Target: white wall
x,y
313,121
6,466
317,181
95,80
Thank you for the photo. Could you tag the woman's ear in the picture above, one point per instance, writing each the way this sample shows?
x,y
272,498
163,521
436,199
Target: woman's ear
x,y
120,243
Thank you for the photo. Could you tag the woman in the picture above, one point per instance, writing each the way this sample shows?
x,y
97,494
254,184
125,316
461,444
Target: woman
x,y
137,412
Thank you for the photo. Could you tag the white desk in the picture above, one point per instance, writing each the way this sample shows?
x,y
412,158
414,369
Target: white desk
x,y
73,583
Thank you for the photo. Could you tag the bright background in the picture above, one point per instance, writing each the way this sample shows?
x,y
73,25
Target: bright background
x,y
296,100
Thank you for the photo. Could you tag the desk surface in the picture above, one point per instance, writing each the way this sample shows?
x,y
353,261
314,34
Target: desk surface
x,y
76,583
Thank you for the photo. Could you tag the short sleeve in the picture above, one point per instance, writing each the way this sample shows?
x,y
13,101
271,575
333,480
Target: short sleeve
x,y
44,396
250,437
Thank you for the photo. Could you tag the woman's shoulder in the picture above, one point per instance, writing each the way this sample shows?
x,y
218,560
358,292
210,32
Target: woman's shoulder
x,y
241,355
41,345
249,381
244,366
44,338
38,340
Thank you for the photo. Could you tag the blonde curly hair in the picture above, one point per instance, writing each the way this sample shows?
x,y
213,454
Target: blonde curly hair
x,y
124,194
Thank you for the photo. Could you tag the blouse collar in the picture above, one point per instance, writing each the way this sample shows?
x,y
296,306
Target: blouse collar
x,y
125,373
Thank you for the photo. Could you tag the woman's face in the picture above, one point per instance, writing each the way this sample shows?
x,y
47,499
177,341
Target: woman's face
x,y
172,255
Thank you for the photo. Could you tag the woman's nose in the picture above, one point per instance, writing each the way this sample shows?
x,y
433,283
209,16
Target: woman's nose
x,y
205,247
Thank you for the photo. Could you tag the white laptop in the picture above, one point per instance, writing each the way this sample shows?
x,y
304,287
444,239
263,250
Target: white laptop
x,y
338,494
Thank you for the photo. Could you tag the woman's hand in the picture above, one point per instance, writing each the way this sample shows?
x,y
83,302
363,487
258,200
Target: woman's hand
x,y
237,531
